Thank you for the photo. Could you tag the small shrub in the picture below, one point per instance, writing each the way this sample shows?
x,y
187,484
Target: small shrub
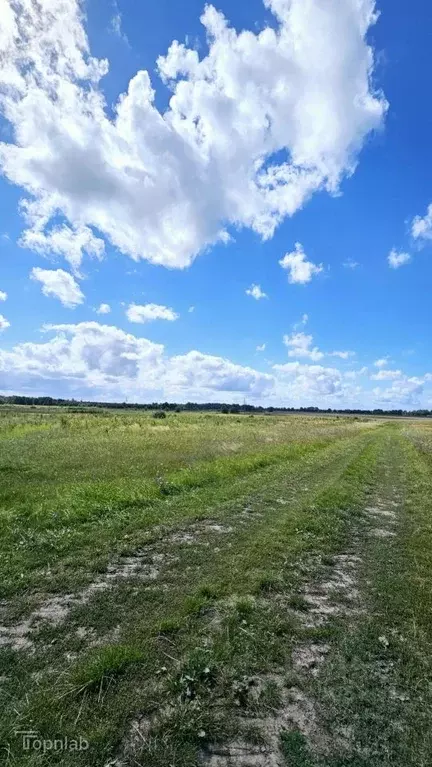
x,y
196,678
159,414
169,626
95,671
208,592
296,750
245,607
269,583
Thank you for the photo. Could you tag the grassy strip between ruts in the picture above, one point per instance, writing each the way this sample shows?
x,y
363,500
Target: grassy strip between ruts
x,y
376,686
88,526
176,662
89,501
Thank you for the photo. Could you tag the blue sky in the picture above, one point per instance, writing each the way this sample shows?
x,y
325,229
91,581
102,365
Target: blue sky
x,y
287,148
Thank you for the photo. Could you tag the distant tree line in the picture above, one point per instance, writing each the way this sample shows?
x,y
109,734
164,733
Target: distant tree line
x,y
219,407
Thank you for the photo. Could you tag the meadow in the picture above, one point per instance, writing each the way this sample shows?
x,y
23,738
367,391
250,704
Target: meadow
x,y
209,589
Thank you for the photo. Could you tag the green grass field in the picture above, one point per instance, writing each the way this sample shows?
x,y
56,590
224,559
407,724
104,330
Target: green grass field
x,y
219,590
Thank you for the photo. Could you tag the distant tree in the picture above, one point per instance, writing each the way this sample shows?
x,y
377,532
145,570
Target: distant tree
x,y
159,414
83,406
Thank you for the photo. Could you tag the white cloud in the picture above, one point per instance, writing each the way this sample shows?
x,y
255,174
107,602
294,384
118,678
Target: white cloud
x,y
117,24
96,361
196,371
3,295
405,392
300,345
345,355
103,309
398,258
104,359
381,363
261,348
98,355
4,323
300,269
387,375
304,320
256,292
59,284
252,98
302,384
309,382
350,264
61,241
422,227
149,312
354,374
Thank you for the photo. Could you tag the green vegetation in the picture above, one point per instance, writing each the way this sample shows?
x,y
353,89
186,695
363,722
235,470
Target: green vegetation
x,y
81,406
206,587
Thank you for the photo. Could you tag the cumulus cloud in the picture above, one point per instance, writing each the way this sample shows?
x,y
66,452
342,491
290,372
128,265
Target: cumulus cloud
x,y
302,384
354,374
381,363
148,312
97,361
105,359
96,354
4,323
300,270
421,228
309,382
344,355
405,392
300,345
61,240
252,130
397,258
59,284
196,371
3,295
387,375
256,292
103,309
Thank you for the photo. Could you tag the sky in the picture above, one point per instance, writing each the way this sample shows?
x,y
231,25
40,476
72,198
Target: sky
x,y
225,203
